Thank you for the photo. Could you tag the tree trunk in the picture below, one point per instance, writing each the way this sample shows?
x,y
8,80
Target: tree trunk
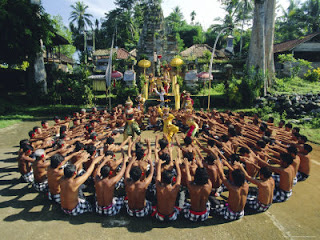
x,y
261,44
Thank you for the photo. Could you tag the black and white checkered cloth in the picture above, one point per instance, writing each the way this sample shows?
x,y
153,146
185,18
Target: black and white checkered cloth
x,y
120,184
139,213
224,211
82,207
255,204
112,209
28,177
280,195
41,187
196,216
295,181
276,178
54,197
301,176
161,217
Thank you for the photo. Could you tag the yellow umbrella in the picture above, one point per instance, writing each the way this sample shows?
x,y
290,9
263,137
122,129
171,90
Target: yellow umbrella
x,y
144,64
176,62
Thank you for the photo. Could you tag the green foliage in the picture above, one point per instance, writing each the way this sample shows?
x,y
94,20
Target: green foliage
x,y
121,92
180,81
73,88
296,84
313,75
22,26
242,92
296,64
67,50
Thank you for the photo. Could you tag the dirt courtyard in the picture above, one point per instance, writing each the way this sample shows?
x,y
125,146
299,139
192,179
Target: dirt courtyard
x,y
26,214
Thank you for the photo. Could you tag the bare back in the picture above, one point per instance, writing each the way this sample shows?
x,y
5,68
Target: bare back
x,y
166,196
199,195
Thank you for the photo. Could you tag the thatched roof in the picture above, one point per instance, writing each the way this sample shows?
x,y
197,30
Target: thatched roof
x,y
289,45
104,53
198,51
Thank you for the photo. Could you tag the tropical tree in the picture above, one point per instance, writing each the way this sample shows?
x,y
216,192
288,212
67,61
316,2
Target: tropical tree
x,y
22,26
260,58
193,16
62,30
80,17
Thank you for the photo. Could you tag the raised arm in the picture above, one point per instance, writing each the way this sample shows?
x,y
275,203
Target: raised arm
x,y
149,178
123,169
177,164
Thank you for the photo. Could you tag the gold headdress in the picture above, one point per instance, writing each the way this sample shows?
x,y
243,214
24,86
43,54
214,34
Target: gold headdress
x,y
129,102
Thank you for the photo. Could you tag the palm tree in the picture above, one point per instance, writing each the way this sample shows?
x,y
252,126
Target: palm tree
x,y
193,16
80,16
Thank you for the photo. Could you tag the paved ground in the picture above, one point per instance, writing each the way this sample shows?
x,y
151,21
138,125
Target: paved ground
x,y
25,214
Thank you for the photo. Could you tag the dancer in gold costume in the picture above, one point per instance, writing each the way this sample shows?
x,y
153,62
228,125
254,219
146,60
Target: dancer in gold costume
x,y
168,127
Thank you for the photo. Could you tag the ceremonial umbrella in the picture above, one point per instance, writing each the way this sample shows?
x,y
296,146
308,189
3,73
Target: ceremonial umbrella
x,y
176,62
116,75
144,64
203,75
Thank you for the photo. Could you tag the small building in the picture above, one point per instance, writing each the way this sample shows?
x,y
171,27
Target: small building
x,y
306,47
101,56
53,56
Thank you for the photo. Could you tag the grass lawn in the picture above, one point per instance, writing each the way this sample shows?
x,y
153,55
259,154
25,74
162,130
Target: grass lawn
x,y
9,120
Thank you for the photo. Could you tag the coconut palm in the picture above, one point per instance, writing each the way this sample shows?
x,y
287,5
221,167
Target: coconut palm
x,y
79,16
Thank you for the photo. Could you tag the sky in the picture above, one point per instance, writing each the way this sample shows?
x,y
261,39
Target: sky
x,y
206,10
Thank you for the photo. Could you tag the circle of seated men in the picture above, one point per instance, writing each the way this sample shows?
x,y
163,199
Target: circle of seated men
x,y
184,176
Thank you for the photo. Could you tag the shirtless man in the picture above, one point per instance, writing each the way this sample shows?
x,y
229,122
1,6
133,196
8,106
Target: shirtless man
x,y
238,191
199,191
167,190
71,204
283,178
55,172
137,205
260,201
40,171
304,168
105,182
24,164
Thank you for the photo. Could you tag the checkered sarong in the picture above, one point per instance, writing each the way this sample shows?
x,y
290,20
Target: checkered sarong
x,y
172,217
120,184
280,195
227,213
301,176
112,209
276,178
41,187
28,177
295,181
196,216
139,213
54,197
82,207
255,204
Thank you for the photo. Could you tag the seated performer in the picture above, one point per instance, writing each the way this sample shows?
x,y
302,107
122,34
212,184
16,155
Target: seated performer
x,y
238,191
105,182
260,200
283,178
167,190
199,191
71,203
137,205
304,168
24,163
